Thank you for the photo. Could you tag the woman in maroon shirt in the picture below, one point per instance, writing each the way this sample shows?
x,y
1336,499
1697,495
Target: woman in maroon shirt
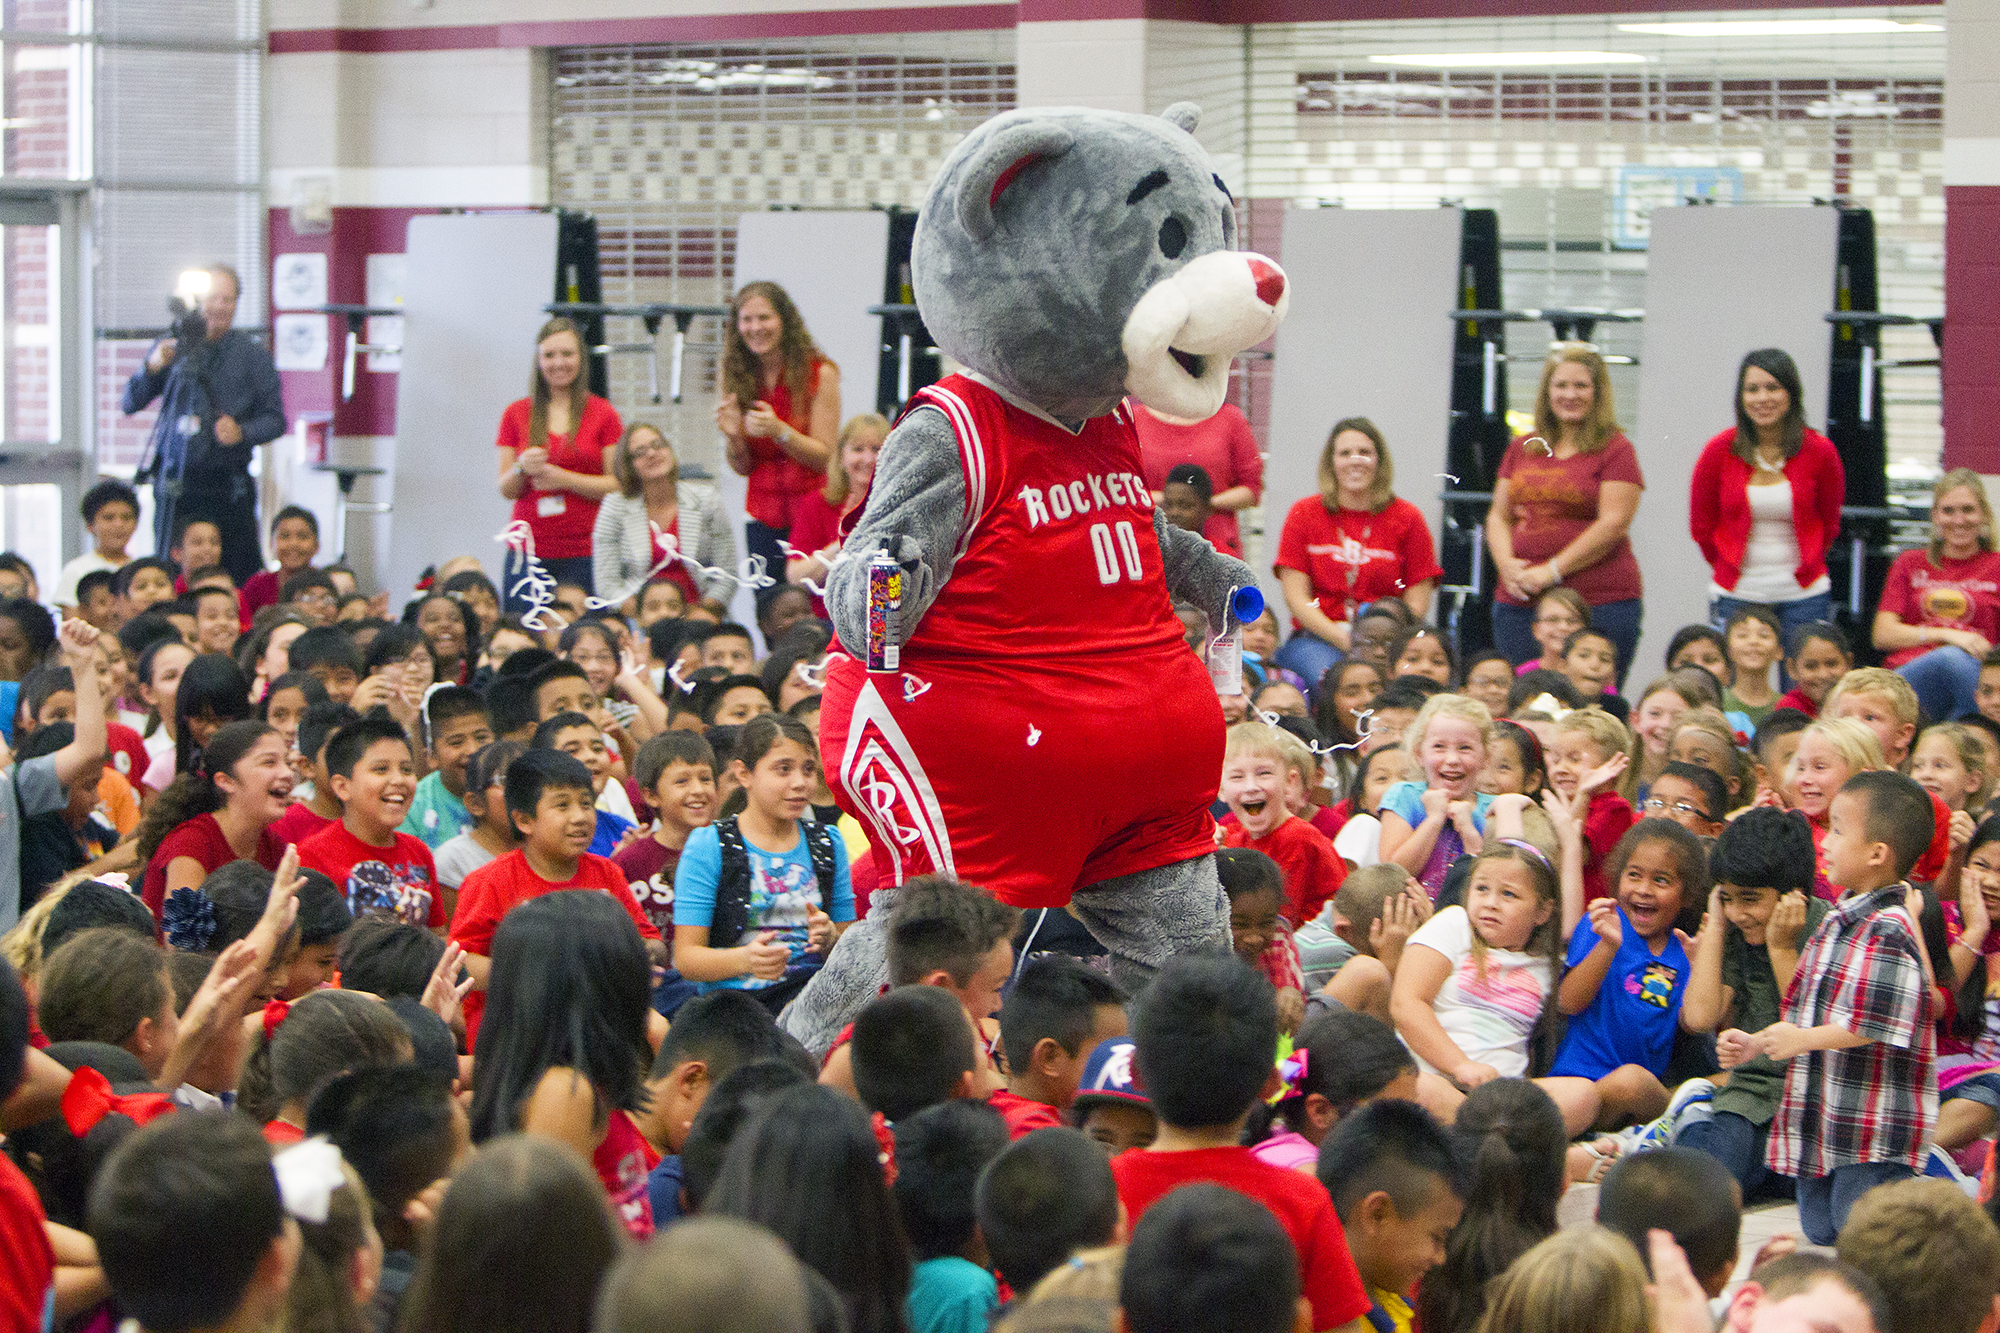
x,y
1562,510
779,413
555,455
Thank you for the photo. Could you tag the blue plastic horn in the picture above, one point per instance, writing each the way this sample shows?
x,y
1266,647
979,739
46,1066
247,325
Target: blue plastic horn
x,y
1246,604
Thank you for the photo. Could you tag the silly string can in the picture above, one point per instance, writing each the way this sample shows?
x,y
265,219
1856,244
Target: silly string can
x,y
885,606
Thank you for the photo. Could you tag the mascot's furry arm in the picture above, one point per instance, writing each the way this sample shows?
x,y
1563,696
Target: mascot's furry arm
x,y
916,510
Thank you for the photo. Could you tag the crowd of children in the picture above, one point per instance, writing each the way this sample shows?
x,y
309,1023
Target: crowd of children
x,y
426,976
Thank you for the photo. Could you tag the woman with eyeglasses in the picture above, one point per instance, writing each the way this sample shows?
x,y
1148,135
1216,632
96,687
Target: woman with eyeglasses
x,y
652,510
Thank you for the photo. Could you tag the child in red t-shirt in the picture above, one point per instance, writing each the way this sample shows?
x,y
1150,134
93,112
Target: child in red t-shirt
x,y
1588,755
1057,1013
550,800
1260,783
381,871
1206,1038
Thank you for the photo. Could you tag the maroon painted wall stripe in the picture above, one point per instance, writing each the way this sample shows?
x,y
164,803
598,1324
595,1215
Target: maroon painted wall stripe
x,y
1972,332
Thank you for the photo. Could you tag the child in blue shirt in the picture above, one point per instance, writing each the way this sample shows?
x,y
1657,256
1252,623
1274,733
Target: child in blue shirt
x,y
761,896
940,1153
1627,972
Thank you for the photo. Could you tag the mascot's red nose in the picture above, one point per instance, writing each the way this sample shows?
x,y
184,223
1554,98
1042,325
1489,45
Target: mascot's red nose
x,y
1270,282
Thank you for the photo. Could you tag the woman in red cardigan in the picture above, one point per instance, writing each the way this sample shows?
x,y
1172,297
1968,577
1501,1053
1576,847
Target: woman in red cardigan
x,y
1764,505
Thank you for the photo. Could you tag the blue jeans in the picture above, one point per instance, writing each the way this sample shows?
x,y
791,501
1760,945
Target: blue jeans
x,y
1824,1200
1946,680
562,568
1731,1140
1309,656
760,539
1514,630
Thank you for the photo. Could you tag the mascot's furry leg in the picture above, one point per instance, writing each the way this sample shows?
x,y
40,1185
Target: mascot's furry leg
x,y
854,974
1145,918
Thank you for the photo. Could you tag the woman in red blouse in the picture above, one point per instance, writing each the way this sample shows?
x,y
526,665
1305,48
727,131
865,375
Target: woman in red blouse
x,y
1764,504
555,453
779,413
1349,545
1940,608
1562,509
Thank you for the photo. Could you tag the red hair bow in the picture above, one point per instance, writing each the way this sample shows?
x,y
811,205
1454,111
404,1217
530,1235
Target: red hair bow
x,y
88,1099
275,1013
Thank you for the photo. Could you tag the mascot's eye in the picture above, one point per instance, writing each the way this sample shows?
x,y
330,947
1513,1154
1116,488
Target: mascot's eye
x,y
1173,238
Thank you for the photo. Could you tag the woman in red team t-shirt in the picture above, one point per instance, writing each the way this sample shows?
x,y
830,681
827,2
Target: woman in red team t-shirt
x,y
555,456
1349,545
779,412
1562,510
1940,608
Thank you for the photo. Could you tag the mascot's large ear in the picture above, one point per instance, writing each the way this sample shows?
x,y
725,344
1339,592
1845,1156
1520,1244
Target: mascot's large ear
x,y
1184,114
994,165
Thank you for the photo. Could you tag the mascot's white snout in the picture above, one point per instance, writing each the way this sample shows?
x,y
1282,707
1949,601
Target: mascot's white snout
x,y
1180,337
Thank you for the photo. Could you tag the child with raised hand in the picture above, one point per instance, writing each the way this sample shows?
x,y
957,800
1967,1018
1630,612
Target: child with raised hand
x,y
1056,1015
191,1226
1374,914
1816,657
676,771
1258,930
1429,824
1397,1181
1626,974
492,834
1206,1032
1207,1261
760,897
1043,1198
41,785
1476,988
566,1054
1759,914
225,813
314,805
1514,1138
548,798
455,726
381,871
482,1270
301,1045
1589,761
1341,1061
1559,613
940,1153
1260,785
1856,1037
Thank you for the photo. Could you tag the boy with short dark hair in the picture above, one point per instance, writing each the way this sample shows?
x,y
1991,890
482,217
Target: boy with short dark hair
x,y
1206,1036
145,582
1857,1039
111,515
676,771
1683,1192
574,734
319,807
217,625
311,593
712,1036
96,600
1398,1184
940,1152
1933,1251
728,646
912,1048
561,687
196,544
1041,1200
550,801
381,871
456,727
510,703
1772,748
1208,1260
1056,1015
329,657
1694,797
294,541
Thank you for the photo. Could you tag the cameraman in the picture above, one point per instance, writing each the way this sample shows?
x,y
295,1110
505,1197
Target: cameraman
x,y
222,400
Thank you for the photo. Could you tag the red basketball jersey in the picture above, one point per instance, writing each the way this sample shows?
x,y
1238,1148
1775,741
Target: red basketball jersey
x,y
1048,728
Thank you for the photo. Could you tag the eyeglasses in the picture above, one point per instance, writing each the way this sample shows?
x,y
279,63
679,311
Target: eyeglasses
x,y
1659,805
645,450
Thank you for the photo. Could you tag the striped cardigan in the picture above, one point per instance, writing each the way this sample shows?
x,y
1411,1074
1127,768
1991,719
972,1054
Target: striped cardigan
x,y
621,545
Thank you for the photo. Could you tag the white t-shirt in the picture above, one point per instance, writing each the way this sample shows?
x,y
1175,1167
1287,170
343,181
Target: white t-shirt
x,y
1359,842
1491,1018
73,572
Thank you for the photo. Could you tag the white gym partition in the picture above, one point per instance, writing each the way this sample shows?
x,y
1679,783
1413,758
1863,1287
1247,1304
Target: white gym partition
x,y
1367,336
1719,282
833,265
476,290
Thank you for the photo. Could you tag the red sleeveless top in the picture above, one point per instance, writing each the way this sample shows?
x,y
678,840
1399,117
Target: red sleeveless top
x,y
778,483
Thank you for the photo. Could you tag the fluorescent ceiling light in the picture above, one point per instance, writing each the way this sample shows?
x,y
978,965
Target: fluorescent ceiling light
x,y
1780,28
1509,59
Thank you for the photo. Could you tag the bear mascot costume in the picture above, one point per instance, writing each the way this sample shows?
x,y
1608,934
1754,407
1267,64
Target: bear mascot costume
x,y
1046,734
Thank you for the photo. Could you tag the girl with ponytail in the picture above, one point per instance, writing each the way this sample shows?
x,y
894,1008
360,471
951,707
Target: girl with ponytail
x,y
220,810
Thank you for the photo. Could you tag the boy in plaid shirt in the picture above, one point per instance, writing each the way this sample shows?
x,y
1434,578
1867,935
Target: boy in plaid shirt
x,y
1856,1035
